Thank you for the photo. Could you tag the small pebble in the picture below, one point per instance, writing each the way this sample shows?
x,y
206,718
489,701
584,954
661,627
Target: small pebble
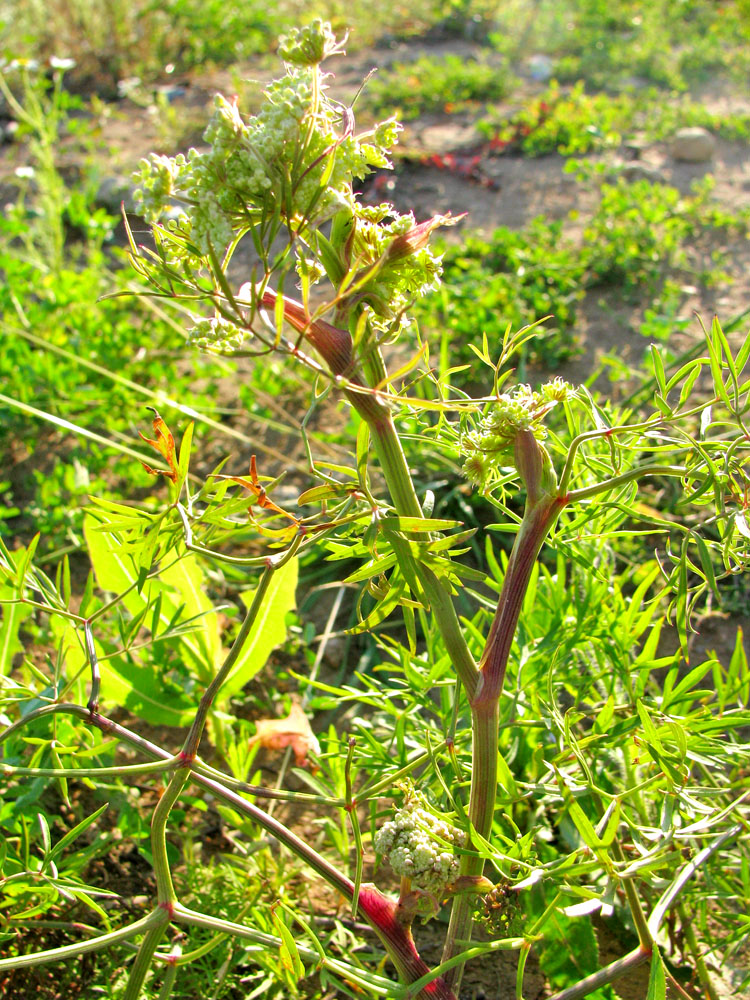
x,y
693,145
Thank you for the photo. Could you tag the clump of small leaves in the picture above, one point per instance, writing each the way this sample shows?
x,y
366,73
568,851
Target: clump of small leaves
x,y
568,122
432,84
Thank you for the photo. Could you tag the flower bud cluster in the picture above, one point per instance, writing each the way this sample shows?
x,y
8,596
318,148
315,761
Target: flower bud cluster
x,y
310,45
217,334
297,157
419,846
403,268
490,444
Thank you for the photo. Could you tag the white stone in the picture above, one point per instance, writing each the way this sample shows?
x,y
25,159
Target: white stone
x,y
693,145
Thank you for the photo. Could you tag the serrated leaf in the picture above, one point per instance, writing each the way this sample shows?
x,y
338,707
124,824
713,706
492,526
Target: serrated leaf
x,y
180,585
327,492
289,953
657,365
77,830
183,462
706,564
371,569
418,524
24,562
46,838
739,670
382,609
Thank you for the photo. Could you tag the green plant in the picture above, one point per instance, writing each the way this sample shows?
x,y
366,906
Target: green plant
x,y
513,279
570,123
432,83
613,45
641,231
527,738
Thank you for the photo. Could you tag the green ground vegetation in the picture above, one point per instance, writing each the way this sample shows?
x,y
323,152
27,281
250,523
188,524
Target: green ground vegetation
x,y
628,740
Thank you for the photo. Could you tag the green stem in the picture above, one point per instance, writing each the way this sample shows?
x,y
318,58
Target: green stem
x,y
89,772
606,975
645,937
165,893
481,810
537,521
626,477
74,950
273,563
523,956
398,478
689,933
168,982
144,959
603,432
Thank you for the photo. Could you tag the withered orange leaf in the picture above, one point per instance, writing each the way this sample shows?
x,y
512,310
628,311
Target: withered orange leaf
x,y
294,731
164,444
253,485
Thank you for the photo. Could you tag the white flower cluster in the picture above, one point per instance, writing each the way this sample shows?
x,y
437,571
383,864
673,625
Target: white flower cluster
x,y
419,846
217,334
490,443
297,157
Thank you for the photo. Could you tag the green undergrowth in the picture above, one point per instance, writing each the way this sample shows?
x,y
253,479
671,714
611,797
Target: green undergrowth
x,y
571,121
644,240
611,730
676,46
446,84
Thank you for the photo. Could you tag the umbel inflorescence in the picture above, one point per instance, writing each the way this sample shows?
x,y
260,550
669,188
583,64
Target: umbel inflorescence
x,y
492,443
292,167
420,846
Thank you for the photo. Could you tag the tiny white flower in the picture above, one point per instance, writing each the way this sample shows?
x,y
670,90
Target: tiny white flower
x,y
60,62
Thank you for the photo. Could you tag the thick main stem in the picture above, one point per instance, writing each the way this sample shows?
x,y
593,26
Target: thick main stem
x,y
485,706
537,520
398,478
336,348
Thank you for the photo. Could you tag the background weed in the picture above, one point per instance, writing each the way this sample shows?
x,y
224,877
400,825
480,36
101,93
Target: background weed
x,y
429,84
